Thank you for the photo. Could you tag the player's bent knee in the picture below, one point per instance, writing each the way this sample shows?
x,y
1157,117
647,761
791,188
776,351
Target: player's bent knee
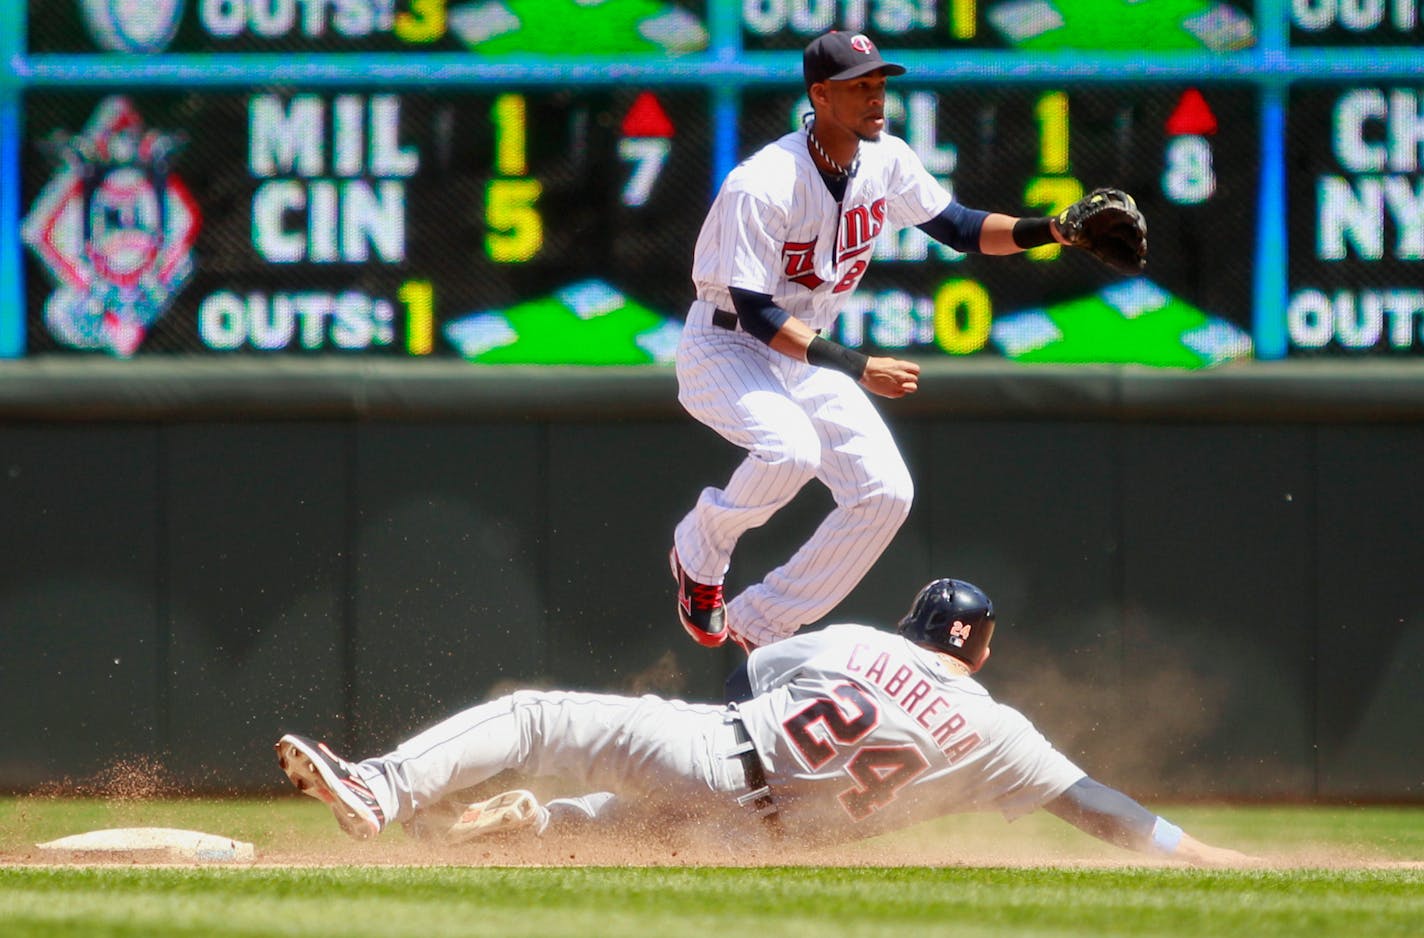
x,y
903,501
897,492
888,505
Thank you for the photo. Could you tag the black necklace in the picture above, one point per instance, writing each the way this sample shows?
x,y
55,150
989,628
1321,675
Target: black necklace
x,y
840,172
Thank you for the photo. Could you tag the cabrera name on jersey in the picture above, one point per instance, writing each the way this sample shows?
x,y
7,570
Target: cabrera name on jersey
x,y
775,228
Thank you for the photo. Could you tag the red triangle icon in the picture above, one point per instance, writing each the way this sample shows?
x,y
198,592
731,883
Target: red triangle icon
x,y
1192,116
646,118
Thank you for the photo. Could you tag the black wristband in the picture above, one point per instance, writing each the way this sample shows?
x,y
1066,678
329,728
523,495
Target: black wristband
x,y
1033,232
830,354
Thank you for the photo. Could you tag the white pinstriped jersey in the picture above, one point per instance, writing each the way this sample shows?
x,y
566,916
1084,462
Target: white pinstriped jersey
x,y
774,228
863,732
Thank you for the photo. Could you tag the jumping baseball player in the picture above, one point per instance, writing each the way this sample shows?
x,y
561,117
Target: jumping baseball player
x,y
837,734
786,240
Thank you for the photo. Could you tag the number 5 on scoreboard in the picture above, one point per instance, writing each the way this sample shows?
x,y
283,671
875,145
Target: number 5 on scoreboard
x,y
515,230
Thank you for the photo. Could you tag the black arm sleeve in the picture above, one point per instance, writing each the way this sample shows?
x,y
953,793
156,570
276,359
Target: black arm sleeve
x,y
1106,813
957,227
758,314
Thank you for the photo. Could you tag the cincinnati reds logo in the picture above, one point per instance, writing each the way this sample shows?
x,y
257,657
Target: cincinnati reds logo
x,y
861,44
801,263
115,230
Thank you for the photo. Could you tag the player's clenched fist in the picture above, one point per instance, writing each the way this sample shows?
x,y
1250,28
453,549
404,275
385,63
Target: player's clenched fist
x,y
890,377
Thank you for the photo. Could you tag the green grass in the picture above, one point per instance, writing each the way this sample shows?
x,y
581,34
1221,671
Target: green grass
x,y
1336,871
420,901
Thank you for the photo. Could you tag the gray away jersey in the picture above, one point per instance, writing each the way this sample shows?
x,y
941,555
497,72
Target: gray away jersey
x,y
863,732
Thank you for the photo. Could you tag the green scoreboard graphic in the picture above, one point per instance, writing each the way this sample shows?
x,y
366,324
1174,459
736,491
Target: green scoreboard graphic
x,y
1033,25
493,28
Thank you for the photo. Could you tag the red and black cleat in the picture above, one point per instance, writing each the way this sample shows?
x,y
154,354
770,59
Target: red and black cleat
x,y
321,773
700,607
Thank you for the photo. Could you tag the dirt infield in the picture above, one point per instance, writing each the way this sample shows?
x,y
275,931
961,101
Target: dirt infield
x,y
289,830
637,850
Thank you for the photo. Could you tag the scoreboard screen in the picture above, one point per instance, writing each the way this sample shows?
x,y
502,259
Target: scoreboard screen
x,y
1029,25
493,28
523,181
1357,241
1355,23
492,225
1187,154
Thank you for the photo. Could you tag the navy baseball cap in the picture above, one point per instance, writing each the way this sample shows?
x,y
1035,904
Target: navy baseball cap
x,y
837,56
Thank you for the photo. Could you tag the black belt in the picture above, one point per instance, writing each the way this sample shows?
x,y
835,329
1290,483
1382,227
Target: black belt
x,y
758,796
724,320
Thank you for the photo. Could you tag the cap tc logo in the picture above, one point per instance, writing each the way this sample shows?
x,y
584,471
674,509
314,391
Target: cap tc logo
x,y
861,44
114,228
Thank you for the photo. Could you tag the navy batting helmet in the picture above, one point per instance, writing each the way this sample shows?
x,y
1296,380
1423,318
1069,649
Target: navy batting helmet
x,y
954,617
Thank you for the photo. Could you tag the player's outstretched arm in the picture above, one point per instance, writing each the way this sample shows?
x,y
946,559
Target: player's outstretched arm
x,y
1005,234
1106,223
1110,815
972,231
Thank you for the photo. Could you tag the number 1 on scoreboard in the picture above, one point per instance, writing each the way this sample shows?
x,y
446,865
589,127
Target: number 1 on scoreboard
x,y
419,299
515,229
1054,189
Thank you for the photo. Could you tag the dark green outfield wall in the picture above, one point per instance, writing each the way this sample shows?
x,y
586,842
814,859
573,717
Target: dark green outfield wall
x,y
1210,584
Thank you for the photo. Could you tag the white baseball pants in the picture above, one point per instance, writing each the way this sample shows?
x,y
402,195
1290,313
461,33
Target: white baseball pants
x,y
796,422
665,755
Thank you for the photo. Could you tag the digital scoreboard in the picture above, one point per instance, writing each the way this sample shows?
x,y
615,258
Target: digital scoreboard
x,y
523,181
1187,154
663,27
1357,235
1355,23
348,220
496,28
1029,25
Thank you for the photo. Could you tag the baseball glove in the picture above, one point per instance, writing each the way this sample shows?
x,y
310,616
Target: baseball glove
x,y
1107,224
